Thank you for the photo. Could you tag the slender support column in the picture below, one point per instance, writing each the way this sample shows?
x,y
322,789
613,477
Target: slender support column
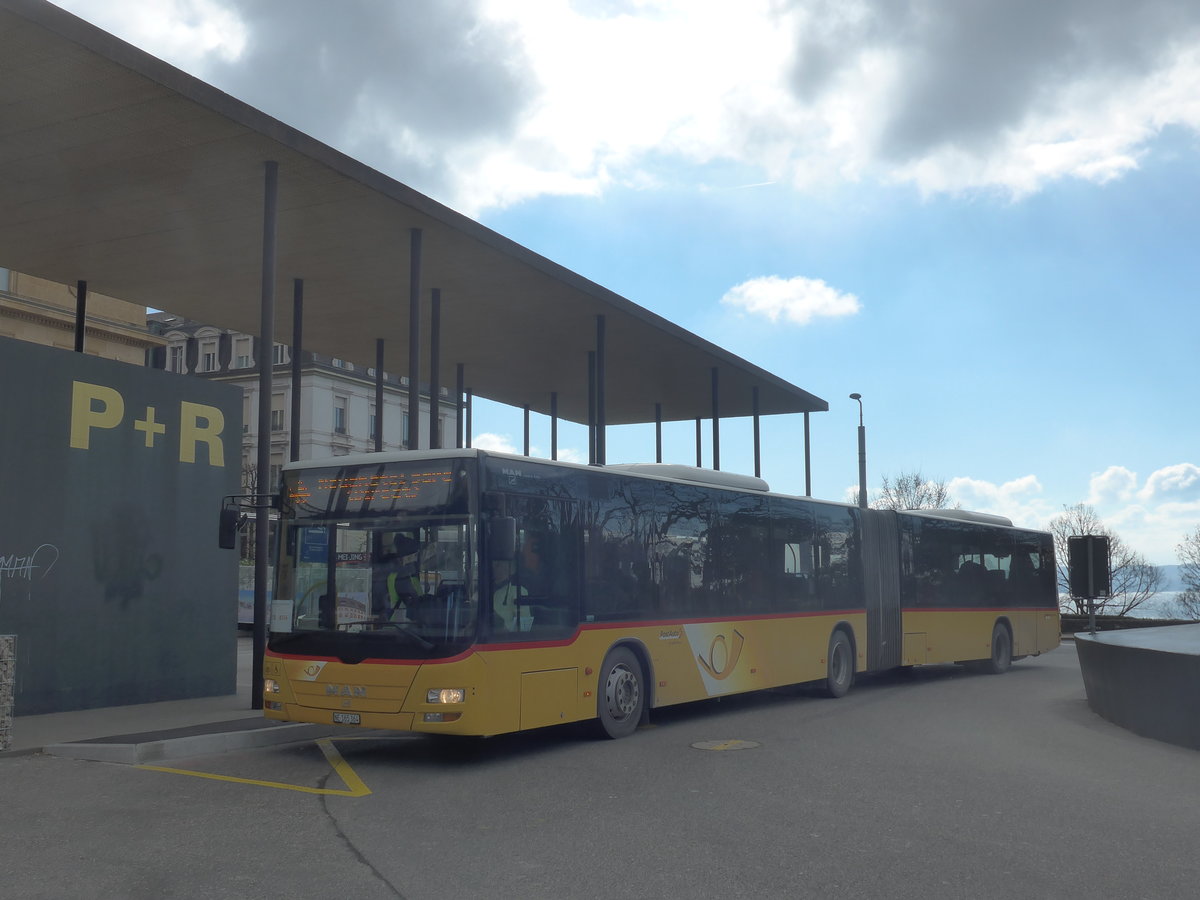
x,y
459,385
297,351
757,434
699,459
591,365
807,460
435,362
862,453
414,341
266,356
379,398
80,314
554,424
862,466
658,432
601,412
716,413
470,412
526,409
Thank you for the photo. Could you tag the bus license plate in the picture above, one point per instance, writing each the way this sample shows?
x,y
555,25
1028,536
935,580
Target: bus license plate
x,y
347,719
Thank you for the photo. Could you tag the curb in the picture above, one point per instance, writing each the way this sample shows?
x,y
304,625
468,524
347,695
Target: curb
x,y
134,752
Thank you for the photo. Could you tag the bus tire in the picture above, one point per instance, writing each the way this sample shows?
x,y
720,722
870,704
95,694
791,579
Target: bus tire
x,y
620,694
1001,658
839,665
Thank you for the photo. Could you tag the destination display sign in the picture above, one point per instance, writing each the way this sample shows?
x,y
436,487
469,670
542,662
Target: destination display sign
x,y
374,489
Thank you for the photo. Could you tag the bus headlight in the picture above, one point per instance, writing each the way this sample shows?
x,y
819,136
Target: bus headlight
x,y
446,695
270,686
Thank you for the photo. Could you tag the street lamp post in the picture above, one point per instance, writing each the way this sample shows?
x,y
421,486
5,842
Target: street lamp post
x,y
862,454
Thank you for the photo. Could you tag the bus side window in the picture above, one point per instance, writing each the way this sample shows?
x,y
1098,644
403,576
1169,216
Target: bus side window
x,y
545,573
798,574
621,564
739,550
792,558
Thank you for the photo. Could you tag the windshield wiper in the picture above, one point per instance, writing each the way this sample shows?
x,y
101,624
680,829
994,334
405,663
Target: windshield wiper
x,y
378,625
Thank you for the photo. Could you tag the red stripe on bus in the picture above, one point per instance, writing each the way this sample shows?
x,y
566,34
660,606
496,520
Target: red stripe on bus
x,y
583,626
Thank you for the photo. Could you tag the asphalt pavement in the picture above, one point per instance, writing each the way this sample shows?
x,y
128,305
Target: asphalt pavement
x,y
931,783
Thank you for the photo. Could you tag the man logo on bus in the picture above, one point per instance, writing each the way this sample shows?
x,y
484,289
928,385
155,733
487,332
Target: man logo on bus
x,y
721,658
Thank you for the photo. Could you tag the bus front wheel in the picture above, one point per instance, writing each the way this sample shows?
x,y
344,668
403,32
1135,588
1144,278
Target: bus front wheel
x,y
1001,659
839,665
620,697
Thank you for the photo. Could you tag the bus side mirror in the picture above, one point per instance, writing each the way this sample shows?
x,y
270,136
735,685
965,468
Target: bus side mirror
x,y
231,521
502,538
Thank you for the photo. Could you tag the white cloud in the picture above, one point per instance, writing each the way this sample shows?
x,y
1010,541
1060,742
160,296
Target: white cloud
x,y
1019,499
1151,516
797,300
1116,484
1179,483
504,443
498,443
515,99
184,32
569,454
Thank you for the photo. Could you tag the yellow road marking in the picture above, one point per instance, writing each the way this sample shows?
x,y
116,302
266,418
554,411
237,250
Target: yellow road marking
x,y
354,784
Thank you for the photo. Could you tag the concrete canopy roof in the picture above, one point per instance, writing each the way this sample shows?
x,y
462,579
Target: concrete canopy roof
x,y
122,171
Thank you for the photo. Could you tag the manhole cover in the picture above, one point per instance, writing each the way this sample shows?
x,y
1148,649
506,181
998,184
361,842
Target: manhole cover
x,y
725,745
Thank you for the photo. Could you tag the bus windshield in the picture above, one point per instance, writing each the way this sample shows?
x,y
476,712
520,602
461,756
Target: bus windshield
x,y
356,584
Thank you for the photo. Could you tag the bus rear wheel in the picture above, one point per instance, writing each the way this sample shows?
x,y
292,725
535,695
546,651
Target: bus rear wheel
x,y
620,698
839,665
1001,659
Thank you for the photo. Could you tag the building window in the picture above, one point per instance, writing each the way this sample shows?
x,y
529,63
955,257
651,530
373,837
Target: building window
x,y
280,354
339,415
3,279
208,356
175,358
241,353
277,412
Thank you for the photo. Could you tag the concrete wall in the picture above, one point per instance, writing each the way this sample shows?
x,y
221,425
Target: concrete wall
x,y
1147,680
111,477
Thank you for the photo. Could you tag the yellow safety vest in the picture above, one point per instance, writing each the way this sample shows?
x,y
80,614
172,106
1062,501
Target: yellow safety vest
x,y
393,594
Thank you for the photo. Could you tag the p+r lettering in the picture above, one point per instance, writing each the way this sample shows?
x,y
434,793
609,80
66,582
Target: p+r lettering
x,y
96,407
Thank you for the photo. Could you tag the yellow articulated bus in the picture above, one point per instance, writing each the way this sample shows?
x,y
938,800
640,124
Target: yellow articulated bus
x,y
474,593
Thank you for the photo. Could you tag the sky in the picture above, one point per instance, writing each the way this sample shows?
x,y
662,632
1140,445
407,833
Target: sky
x,y
980,215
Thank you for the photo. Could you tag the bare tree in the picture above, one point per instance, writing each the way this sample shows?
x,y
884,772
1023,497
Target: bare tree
x,y
912,490
1133,580
249,486
1189,570
250,478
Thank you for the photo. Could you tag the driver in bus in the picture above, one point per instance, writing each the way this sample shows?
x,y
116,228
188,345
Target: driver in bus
x,y
397,583
506,598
